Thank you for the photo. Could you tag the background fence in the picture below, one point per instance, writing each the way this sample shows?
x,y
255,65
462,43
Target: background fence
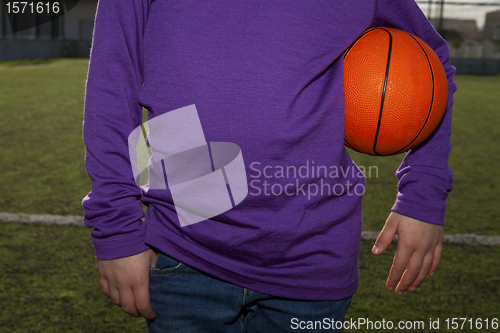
x,y
470,27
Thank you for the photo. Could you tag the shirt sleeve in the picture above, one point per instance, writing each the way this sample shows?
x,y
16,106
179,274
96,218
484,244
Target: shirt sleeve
x,y
425,178
113,208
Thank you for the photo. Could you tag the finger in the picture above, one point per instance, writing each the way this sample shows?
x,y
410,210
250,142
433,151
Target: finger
x,y
154,259
103,283
114,295
438,251
385,237
399,264
143,301
127,302
411,273
426,267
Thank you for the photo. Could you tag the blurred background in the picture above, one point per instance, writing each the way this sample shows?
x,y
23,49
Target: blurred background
x,y
471,28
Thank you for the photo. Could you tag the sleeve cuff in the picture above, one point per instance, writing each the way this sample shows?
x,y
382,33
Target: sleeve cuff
x,y
424,212
119,246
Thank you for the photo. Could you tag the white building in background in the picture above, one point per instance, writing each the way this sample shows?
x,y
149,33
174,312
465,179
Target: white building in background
x,y
473,51
466,41
492,27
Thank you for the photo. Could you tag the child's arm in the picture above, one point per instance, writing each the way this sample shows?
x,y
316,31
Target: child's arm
x,y
113,207
424,176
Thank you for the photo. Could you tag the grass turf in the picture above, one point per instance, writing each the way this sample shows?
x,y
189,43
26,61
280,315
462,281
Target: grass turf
x,y
49,283
41,144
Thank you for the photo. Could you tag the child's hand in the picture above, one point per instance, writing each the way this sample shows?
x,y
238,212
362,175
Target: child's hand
x,y
418,253
126,282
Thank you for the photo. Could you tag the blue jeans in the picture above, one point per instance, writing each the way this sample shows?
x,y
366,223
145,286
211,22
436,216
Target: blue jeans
x,y
189,301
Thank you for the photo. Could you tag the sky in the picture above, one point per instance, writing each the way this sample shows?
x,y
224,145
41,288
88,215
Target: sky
x,y
461,11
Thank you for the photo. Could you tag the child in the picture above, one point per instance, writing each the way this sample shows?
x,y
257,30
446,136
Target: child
x,y
266,77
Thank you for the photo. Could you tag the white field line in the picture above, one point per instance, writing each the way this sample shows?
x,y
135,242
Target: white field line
x,y
466,239
35,218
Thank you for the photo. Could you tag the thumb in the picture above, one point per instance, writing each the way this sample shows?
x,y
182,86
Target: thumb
x,y
385,237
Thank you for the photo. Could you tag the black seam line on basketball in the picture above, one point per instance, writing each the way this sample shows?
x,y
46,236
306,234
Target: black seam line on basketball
x,y
383,92
347,143
352,45
432,98
345,55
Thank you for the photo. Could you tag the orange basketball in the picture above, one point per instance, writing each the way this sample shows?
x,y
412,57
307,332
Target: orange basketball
x,y
396,92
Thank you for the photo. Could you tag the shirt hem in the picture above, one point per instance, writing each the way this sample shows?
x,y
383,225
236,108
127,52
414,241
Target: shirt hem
x,y
191,258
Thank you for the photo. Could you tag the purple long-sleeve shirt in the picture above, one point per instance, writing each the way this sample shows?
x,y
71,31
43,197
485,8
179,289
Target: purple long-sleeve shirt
x,y
268,77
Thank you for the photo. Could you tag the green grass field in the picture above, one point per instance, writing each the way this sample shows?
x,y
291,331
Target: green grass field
x,y
48,273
